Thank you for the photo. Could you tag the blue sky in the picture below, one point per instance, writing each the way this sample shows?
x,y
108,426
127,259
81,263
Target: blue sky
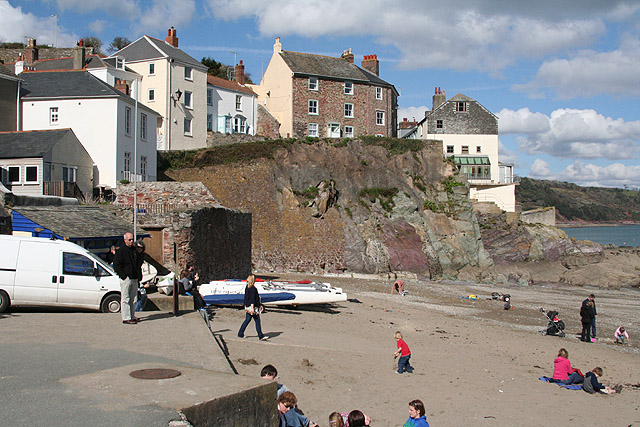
x,y
563,77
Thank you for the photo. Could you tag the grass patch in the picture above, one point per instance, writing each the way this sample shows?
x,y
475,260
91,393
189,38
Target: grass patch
x,y
384,195
310,193
394,146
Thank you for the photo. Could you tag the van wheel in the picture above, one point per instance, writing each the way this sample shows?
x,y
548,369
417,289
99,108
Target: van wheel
x,y
4,301
111,304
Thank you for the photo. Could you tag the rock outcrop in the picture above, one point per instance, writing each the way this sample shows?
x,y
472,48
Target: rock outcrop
x,y
355,207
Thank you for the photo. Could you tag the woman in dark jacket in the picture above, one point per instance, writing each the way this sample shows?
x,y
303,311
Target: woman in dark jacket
x,y
587,314
252,306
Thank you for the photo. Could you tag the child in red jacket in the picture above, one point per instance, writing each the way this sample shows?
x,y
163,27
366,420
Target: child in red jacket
x,y
404,353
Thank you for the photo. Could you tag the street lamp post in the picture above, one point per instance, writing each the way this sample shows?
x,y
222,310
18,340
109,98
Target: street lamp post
x,y
55,42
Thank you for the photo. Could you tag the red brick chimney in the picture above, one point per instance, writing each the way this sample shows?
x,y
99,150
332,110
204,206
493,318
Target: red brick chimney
x,y
122,86
240,73
348,55
371,64
31,52
439,98
171,37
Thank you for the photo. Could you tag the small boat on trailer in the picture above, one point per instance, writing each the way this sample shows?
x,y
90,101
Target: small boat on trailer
x,y
231,292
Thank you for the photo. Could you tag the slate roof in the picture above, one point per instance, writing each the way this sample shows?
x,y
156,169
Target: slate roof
x,y
6,72
91,62
150,48
227,84
77,222
327,66
70,84
34,144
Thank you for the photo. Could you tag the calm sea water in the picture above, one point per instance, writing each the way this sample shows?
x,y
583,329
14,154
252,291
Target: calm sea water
x,y
622,235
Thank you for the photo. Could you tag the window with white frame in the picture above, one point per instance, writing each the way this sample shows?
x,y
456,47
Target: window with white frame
x,y
119,62
378,93
227,124
209,122
14,174
238,102
127,121
31,174
465,149
209,96
143,167
187,127
127,163
152,69
239,124
313,129
188,99
348,88
348,131
380,118
461,106
449,149
188,73
151,95
143,126
70,174
313,106
53,116
348,110
478,149
313,83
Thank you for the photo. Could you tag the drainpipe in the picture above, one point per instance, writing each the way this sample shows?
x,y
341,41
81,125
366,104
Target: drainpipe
x,y
168,143
18,105
253,114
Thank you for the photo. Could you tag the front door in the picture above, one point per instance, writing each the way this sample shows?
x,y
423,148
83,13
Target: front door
x,y
333,130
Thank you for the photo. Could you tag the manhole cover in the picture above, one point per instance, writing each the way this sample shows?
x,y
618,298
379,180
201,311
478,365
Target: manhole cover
x,y
155,374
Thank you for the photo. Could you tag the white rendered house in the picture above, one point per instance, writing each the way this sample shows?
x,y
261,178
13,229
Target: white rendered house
x,y
106,121
231,106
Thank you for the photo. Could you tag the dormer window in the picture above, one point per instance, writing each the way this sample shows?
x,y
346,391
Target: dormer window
x,y
119,63
348,88
313,83
461,107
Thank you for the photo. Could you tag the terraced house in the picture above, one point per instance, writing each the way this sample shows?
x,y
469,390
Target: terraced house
x,y
323,96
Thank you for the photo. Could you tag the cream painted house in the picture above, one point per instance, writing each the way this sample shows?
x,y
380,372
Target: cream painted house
x,y
469,134
175,85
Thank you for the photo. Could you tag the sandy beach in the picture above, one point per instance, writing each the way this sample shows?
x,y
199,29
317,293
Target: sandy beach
x,y
475,363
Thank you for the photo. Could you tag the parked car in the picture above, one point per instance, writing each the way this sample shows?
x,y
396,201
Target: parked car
x,y
45,272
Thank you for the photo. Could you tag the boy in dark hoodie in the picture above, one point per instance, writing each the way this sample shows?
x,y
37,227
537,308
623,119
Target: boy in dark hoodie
x,y
592,386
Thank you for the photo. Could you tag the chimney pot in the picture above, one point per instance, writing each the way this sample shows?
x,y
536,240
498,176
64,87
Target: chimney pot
x,y
371,64
240,73
171,37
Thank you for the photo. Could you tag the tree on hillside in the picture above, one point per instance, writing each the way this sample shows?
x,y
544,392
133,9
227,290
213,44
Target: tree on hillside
x,y
93,42
118,43
218,69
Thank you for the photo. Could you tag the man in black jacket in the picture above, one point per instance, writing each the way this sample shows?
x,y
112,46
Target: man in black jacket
x,y
125,264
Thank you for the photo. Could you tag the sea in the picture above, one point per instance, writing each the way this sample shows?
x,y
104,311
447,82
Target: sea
x,y
619,235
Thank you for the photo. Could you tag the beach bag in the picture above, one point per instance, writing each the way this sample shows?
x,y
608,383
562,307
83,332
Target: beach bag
x,y
257,310
578,371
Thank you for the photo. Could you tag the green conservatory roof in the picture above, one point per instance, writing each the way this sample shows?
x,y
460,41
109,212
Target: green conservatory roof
x,y
476,160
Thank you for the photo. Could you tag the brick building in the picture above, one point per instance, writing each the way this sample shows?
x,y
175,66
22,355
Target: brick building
x,y
322,96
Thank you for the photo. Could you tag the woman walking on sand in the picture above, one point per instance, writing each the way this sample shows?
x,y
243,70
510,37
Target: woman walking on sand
x,y
252,307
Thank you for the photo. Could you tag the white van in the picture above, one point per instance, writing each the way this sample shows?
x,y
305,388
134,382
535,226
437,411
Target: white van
x,y
40,271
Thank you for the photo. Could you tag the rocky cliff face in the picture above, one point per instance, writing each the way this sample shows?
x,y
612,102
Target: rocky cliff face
x,y
355,207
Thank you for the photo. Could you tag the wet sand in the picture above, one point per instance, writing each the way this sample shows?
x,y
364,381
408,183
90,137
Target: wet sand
x,y
475,363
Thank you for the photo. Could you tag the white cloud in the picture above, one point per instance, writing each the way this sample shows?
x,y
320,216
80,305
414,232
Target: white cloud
x,y
163,14
613,175
508,156
16,26
473,35
540,169
97,26
570,133
590,73
412,113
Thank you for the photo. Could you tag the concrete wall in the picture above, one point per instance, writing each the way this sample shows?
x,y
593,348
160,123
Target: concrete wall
x,y
546,216
502,195
216,139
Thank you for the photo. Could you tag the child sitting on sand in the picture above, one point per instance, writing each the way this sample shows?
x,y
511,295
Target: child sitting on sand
x,y
404,353
591,384
417,417
620,335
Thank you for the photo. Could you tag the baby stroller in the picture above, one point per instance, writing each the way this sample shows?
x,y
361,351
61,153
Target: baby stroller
x,y
555,325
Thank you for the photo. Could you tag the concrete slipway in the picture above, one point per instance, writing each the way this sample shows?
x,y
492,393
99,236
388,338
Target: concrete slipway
x,y
71,368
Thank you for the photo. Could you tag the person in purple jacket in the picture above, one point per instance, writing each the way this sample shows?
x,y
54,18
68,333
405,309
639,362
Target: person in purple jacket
x,y
417,417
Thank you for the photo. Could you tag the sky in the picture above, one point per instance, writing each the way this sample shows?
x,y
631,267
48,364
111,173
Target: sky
x,y
563,77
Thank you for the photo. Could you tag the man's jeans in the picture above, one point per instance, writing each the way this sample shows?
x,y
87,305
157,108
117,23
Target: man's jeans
x,y
129,290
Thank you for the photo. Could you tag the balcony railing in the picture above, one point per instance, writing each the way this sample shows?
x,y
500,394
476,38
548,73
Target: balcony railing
x,y
61,189
137,177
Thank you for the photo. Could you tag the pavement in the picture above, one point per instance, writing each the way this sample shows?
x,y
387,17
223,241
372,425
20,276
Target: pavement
x,y
63,367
